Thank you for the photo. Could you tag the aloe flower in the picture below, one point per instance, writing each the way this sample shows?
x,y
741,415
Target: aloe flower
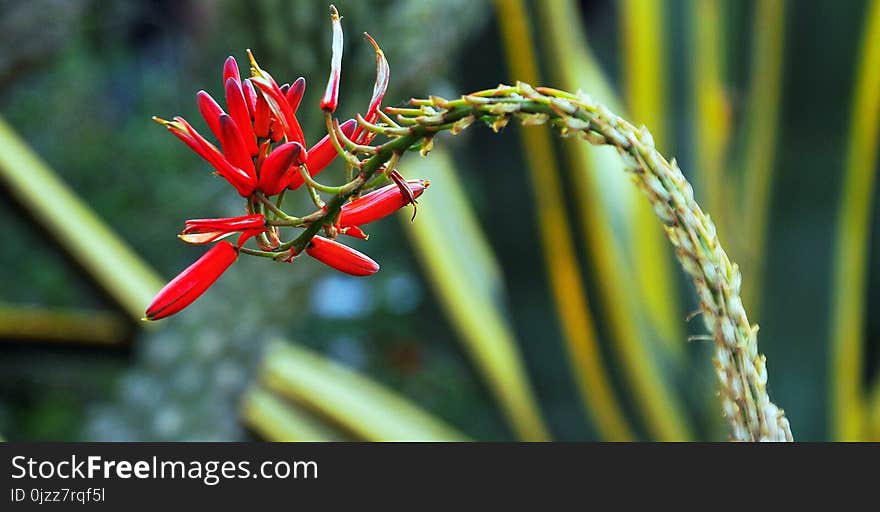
x,y
190,284
259,148
259,114
341,257
379,204
205,231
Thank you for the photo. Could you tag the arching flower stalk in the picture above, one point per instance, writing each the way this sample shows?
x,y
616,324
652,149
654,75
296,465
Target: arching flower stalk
x,y
740,368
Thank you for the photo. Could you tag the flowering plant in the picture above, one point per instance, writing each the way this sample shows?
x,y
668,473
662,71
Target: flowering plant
x,y
263,155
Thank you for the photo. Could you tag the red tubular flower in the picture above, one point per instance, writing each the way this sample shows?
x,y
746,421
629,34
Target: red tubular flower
x,y
280,107
233,147
321,154
184,289
331,94
262,114
378,204
341,257
211,112
242,181
277,169
239,112
295,93
230,70
204,231
250,96
276,101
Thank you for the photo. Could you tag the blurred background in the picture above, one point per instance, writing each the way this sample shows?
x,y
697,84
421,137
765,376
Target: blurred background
x,y
534,297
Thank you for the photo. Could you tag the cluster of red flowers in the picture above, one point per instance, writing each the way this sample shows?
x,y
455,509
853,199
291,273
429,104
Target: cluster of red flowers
x,y
262,154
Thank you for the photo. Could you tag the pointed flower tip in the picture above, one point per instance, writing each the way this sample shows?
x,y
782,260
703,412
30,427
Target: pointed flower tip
x,y
331,94
190,284
374,43
230,69
295,93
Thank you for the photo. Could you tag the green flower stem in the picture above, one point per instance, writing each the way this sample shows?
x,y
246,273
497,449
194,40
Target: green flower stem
x,y
281,214
741,370
313,194
292,222
279,201
368,169
257,207
312,184
263,254
383,176
351,145
348,157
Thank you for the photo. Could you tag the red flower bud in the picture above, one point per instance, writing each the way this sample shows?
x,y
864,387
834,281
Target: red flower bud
x,y
233,146
276,170
321,154
211,112
295,94
280,107
331,94
239,179
341,257
250,96
239,112
262,115
184,289
378,204
203,231
230,70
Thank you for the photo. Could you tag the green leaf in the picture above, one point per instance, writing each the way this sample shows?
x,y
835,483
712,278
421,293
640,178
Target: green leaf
x,y
66,326
849,292
607,199
109,260
463,272
560,257
762,121
276,419
643,37
350,400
